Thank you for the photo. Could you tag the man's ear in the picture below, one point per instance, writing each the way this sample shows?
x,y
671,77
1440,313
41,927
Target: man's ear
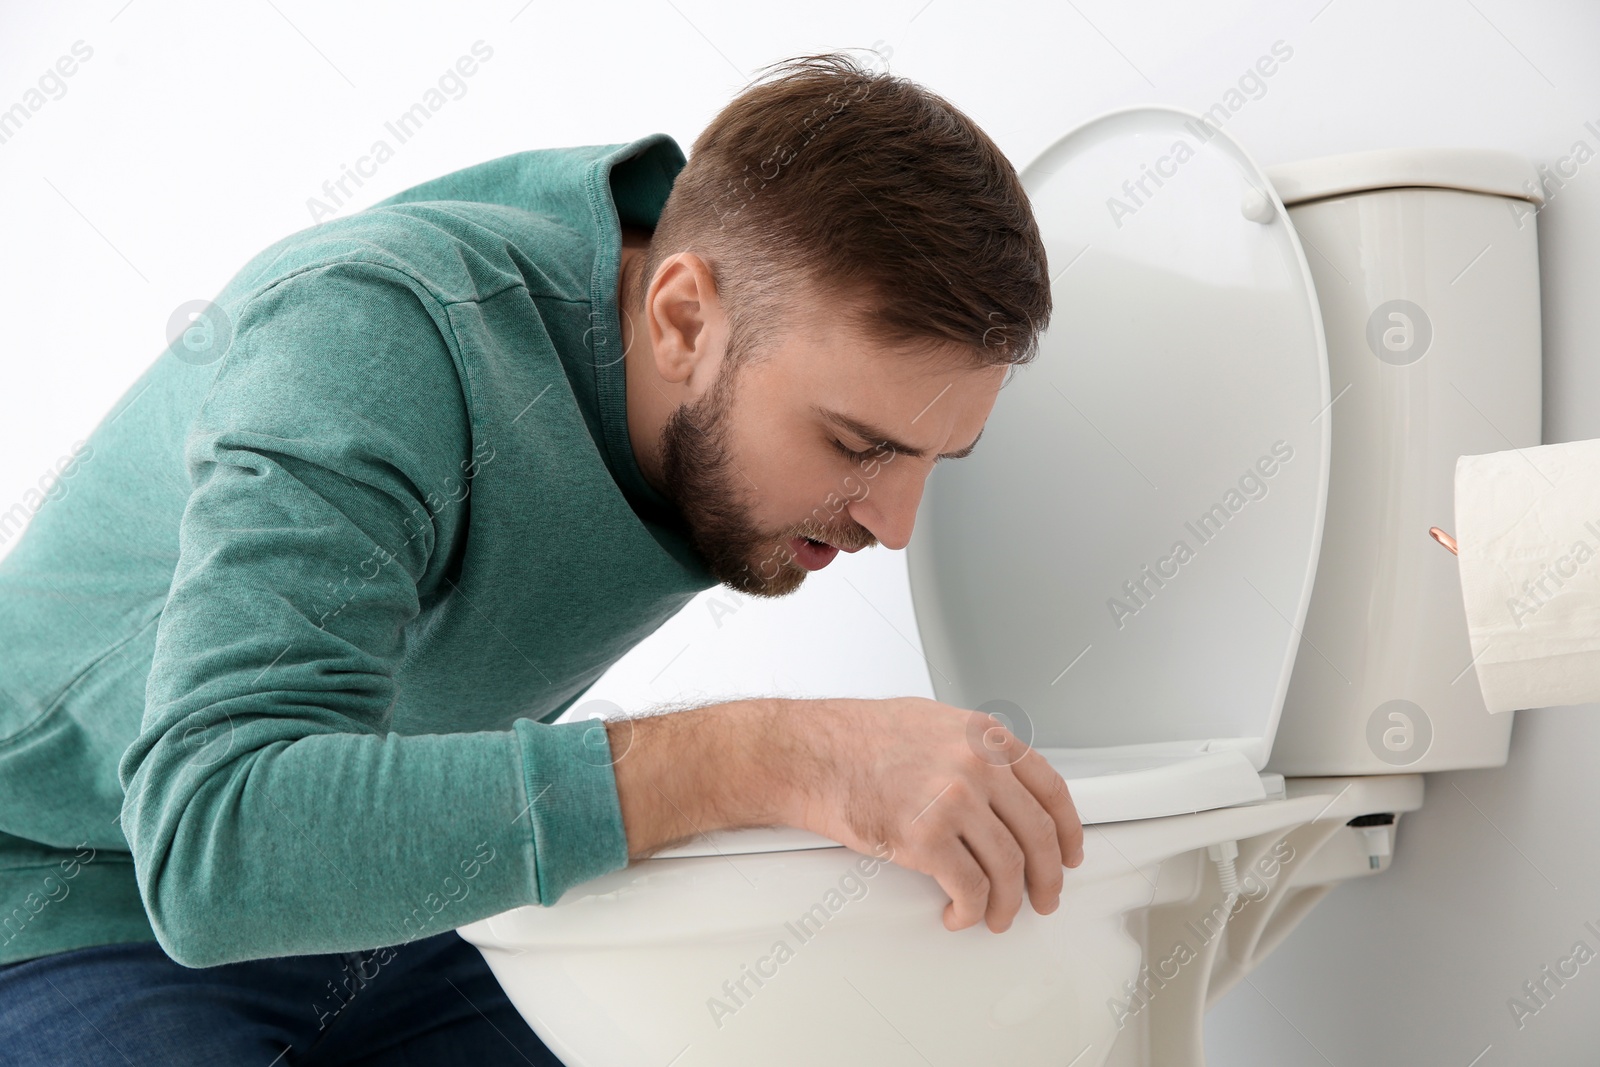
x,y
688,330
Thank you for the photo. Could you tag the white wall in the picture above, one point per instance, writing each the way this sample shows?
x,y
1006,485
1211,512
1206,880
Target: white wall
x,y
196,132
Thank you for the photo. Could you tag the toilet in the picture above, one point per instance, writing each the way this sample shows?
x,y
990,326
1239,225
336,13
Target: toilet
x,y
1190,564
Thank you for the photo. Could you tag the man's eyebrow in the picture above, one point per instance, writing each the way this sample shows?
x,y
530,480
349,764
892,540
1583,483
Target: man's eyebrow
x,y
879,438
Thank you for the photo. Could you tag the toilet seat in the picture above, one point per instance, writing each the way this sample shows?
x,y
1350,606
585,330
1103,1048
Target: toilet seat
x,y
1104,789
1180,396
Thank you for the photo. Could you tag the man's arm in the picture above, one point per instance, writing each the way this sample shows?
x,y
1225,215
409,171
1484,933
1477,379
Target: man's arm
x,y
269,807
952,792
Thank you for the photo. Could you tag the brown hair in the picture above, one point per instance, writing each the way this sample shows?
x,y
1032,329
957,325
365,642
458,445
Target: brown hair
x,y
863,187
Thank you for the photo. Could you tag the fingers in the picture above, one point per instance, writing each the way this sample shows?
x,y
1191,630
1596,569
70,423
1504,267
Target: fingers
x,y
997,851
1050,790
960,876
1035,831
998,827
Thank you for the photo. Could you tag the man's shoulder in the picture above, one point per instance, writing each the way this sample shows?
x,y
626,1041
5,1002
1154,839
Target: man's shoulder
x,y
455,250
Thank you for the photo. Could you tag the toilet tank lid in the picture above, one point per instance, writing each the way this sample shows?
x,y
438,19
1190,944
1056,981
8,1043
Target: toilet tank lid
x,y
1475,170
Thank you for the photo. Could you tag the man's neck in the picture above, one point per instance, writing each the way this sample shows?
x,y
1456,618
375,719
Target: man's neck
x,y
647,404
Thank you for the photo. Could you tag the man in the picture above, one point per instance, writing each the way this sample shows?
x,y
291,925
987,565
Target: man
x,y
279,670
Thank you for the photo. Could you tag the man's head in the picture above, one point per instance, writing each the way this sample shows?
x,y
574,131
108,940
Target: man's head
x,y
838,284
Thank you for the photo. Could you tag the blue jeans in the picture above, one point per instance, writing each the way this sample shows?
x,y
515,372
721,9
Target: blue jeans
x,y
432,1002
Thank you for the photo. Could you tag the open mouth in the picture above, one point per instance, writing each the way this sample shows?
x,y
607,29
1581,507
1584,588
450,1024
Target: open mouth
x,y
812,554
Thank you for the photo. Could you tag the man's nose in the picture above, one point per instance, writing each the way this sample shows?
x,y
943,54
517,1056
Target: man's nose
x,y
889,511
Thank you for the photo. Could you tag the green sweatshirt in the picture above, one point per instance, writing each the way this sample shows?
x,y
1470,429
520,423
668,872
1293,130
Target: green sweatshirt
x,y
280,648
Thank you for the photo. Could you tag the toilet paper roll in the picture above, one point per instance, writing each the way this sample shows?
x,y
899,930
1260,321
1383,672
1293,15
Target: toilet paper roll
x,y
1528,533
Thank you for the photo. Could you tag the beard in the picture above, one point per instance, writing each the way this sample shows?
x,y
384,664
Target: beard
x,y
708,489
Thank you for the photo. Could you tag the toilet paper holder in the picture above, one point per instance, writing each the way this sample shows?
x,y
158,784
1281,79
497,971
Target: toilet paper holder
x,y
1445,539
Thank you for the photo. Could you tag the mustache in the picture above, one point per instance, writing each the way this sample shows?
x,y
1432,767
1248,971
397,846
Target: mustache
x,y
846,542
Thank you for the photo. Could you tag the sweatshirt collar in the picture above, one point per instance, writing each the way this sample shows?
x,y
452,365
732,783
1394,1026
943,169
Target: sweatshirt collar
x,y
627,185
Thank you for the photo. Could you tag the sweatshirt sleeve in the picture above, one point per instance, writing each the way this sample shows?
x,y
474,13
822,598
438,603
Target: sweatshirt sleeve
x,y
269,808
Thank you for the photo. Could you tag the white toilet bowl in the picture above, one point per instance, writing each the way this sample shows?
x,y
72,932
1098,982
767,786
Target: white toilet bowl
x,y
1124,573
816,955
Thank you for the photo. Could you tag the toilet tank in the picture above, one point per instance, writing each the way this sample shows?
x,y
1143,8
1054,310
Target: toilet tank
x,y
1426,269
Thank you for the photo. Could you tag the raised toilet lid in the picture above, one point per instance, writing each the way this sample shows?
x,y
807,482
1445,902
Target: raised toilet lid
x,y
1122,568
1184,375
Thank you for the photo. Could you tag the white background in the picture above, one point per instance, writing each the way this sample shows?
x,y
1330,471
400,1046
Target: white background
x,y
196,133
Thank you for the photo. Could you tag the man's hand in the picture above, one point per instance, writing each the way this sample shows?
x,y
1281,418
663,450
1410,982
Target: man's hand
x,y
952,792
